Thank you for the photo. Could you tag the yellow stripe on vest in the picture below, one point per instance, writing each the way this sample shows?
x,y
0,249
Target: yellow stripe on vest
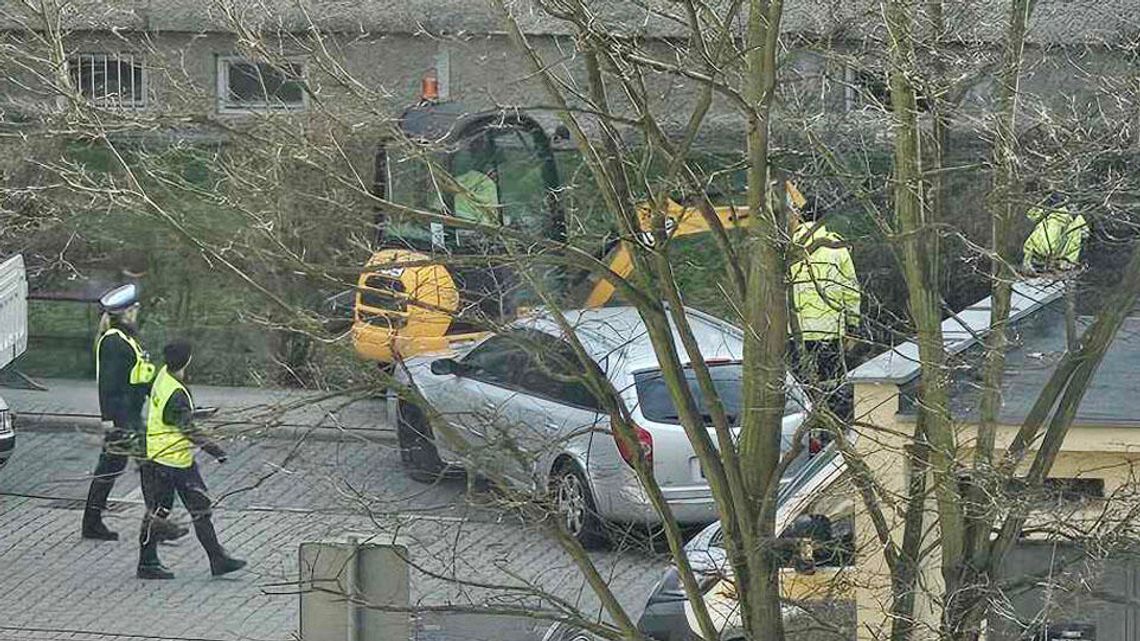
x,y
143,370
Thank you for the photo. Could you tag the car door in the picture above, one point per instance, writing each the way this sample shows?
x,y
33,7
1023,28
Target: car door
x,y
555,412
474,398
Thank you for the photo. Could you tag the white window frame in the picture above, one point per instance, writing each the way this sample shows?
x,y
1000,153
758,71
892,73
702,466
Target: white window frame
x,y
225,106
112,100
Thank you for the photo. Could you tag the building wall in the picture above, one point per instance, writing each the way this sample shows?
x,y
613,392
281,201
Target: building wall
x,y
1110,453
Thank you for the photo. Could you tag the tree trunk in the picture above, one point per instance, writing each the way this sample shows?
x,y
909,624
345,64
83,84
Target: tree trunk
x,y
962,611
920,270
765,330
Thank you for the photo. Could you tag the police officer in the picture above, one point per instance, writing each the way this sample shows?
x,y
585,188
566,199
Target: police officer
x,y
826,298
170,442
124,374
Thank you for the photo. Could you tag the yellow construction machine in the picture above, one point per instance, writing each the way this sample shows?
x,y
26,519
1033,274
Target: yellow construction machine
x,y
428,288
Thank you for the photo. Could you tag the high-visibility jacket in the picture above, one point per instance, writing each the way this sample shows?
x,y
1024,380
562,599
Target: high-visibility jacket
x,y
478,200
123,372
142,372
825,290
1055,243
167,444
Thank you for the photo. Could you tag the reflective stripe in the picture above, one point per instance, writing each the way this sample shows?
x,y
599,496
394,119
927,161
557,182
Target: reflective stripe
x,y
142,371
165,443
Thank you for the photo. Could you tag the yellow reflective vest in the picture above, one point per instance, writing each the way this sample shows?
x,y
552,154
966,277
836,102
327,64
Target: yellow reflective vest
x,y
166,444
1055,243
478,199
825,289
143,370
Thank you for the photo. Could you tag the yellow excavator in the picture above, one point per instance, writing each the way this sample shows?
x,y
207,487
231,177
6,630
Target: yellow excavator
x,y
426,288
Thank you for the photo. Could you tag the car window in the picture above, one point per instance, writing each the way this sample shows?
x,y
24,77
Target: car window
x,y
656,402
534,362
555,372
499,359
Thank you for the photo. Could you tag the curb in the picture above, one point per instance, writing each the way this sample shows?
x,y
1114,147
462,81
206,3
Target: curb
x,y
63,422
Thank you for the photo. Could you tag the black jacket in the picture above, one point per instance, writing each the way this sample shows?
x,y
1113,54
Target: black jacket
x,y
119,401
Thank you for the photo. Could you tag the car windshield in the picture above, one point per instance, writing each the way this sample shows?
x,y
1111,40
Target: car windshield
x,y
728,378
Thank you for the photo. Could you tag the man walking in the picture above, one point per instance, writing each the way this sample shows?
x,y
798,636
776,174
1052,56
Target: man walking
x,y
170,442
124,373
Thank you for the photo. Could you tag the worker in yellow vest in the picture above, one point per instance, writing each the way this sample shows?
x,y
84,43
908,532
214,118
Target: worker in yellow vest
x,y
1054,245
1053,250
170,444
123,373
825,298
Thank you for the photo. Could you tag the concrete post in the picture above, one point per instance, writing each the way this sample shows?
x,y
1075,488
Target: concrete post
x,y
354,592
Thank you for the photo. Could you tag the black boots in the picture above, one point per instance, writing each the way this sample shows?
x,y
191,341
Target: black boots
x,y
156,571
93,528
224,564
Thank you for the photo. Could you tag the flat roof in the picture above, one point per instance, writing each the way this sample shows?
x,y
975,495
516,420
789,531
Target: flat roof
x,y
1037,345
900,364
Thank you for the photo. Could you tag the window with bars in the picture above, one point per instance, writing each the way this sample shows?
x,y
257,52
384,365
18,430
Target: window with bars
x,y
109,80
246,85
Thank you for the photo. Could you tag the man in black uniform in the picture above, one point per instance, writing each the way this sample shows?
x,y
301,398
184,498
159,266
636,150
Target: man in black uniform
x,y
170,443
124,374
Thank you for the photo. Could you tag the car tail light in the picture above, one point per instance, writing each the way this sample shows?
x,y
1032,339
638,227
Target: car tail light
x,y
644,439
5,422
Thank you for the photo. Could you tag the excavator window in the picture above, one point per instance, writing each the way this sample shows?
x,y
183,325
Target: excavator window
x,y
495,176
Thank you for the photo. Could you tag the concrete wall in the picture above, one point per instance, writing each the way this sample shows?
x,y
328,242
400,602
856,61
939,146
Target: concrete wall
x,y
486,71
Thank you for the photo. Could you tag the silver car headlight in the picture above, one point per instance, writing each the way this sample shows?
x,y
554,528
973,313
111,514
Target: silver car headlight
x,y
5,422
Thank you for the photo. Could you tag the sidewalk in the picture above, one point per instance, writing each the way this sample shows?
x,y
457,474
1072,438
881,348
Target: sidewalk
x,y
71,403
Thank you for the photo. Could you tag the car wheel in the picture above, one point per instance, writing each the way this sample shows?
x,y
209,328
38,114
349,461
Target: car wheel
x,y
417,449
577,512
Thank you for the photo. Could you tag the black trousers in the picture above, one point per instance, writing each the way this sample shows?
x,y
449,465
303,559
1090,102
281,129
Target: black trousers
x,y
159,485
118,445
822,367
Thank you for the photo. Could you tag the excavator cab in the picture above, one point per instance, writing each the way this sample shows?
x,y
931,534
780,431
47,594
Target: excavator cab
x,y
445,277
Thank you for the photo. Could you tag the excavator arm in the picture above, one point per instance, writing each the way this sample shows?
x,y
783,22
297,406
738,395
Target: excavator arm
x,y
680,221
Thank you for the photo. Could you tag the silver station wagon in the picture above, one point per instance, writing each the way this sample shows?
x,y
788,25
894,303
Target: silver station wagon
x,y
519,403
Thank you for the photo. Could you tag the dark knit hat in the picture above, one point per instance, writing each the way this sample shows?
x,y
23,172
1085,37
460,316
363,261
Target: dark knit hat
x,y
176,354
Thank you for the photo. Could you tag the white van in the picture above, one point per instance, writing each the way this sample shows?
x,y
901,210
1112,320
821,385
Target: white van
x,y
13,337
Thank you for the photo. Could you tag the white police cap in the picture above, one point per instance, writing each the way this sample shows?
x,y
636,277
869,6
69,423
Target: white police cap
x,y
120,298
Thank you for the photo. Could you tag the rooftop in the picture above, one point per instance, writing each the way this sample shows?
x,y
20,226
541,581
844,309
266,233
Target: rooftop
x,y
1037,345
900,364
1053,21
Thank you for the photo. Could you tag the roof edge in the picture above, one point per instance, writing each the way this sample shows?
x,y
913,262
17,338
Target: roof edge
x,y
900,364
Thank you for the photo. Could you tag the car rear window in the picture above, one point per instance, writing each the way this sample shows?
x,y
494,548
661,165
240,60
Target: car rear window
x,y
728,379
657,404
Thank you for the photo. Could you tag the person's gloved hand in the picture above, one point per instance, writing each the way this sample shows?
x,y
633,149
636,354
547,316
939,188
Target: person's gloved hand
x,y
215,451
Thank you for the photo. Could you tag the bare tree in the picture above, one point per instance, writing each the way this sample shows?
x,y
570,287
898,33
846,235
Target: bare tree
x,y
280,205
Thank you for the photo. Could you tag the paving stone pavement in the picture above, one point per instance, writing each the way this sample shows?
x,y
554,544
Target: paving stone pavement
x,y
274,494
253,408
